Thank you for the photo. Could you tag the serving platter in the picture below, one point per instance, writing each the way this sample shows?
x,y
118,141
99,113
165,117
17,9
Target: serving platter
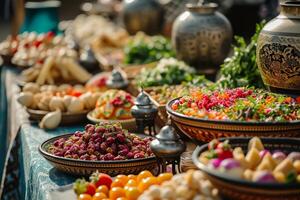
x,y
239,189
67,118
86,168
204,130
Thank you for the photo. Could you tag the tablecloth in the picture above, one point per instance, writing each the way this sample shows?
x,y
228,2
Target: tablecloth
x,y
38,176
24,165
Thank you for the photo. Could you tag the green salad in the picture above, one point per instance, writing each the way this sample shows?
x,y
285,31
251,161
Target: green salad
x,y
142,49
170,71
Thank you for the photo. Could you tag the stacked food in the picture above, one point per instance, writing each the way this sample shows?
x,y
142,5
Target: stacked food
x,y
56,70
258,164
82,29
65,97
146,186
104,141
102,186
28,49
185,186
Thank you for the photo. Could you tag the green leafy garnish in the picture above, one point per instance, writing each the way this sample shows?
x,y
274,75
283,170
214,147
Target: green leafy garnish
x,y
241,69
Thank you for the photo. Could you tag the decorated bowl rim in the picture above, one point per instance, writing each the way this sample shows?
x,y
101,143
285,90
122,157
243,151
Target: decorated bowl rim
x,y
239,181
95,120
229,122
45,153
64,114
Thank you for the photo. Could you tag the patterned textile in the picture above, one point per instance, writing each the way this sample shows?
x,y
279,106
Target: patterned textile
x,y
10,191
40,177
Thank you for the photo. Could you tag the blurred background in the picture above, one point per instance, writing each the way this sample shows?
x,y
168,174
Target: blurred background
x,y
243,14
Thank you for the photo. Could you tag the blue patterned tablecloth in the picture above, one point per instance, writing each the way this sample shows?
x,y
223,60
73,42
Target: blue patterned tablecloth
x,y
38,177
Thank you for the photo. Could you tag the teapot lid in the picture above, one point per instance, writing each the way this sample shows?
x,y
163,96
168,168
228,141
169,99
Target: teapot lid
x,y
202,8
117,80
167,133
143,99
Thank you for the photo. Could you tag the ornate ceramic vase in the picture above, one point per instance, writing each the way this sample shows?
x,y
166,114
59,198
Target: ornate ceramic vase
x,y
278,51
142,15
202,37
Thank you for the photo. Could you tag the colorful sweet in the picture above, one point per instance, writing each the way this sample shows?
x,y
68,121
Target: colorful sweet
x,y
240,104
129,187
258,165
114,105
185,186
104,141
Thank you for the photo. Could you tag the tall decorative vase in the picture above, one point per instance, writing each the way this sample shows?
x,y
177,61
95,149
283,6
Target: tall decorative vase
x,y
142,15
278,51
202,37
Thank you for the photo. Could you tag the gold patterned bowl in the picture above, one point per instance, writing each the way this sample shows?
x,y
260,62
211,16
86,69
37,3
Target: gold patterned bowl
x,y
67,118
87,167
204,130
239,189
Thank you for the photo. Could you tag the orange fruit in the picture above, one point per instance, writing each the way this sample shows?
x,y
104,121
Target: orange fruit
x,y
99,196
132,193
146,183
132,176
131,183
123,178
122,198
103,188
116,192
85,197
143,174
117,183
164,177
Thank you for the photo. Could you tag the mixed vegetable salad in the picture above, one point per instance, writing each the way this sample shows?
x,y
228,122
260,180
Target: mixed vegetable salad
x,y
240,104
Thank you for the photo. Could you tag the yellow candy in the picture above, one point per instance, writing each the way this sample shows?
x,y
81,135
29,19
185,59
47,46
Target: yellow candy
x,y
248,174
253,158
279,176
256,143
296,164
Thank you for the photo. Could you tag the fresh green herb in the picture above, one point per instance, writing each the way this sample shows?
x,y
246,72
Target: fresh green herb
x,y
142,49
241,69
170,71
